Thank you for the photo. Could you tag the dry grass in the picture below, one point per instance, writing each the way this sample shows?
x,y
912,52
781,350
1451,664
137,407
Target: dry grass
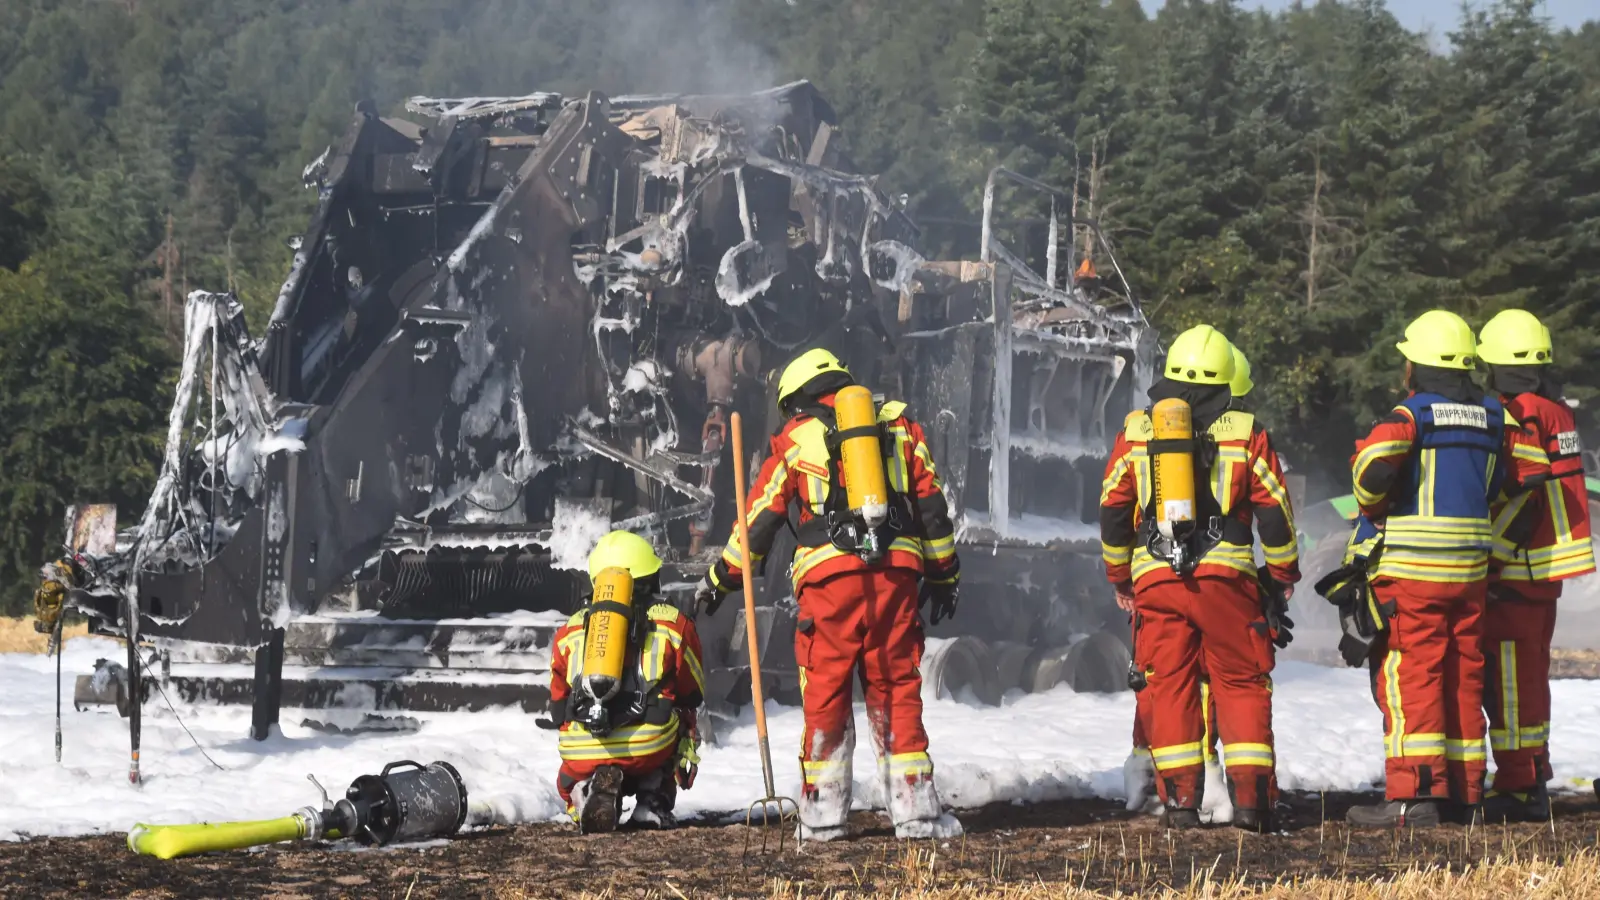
x,y
17,635
1576,876
1570,663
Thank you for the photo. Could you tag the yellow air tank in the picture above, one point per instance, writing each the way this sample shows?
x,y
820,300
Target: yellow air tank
x,y
1172,470
605,641
861,454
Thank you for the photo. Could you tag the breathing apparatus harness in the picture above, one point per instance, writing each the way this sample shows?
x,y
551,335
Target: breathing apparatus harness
x,y
847,522
605,701
1170,527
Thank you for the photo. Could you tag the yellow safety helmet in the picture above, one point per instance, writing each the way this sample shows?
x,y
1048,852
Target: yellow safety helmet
x,y
1241,383
1200,355
807,366
1441,339
1515,337
624,550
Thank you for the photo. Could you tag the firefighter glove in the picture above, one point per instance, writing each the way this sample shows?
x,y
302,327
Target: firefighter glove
x,y
943,597
687,763
47,602
707,596
1282,635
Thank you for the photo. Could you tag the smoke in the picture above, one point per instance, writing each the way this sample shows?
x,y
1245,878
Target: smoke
x,y
679,46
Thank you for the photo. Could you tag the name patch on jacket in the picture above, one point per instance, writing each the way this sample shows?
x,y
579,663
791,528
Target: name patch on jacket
x,y
1460,415
1567,443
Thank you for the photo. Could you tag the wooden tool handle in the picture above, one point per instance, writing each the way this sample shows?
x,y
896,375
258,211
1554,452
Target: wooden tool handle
x,y
757,699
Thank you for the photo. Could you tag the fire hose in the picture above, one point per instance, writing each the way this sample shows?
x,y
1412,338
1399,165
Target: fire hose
x,y
405,802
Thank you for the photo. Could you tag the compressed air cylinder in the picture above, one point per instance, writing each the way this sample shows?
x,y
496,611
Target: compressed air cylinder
x,y
1172,470
861,455
605,639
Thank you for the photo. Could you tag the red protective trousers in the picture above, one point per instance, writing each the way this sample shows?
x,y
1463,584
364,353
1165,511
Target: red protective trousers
x,y
861,623
1212,626
1517,630
1429,684
634,768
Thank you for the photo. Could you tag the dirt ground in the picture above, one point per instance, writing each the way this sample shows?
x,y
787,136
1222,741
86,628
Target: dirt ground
x,y
1073,844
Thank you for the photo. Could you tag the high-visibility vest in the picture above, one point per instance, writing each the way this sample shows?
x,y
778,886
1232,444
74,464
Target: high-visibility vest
x,y
1438,526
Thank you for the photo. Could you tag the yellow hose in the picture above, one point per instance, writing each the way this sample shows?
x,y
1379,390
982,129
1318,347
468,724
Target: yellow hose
x,y
171,841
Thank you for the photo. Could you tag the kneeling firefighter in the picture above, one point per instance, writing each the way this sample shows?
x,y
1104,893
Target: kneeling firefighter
x,y
625,684
1541,539
1138,772
871,518
1426,475
1183,484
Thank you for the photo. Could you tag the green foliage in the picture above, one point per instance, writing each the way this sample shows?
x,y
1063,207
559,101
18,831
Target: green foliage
x,y
82,385
1307,181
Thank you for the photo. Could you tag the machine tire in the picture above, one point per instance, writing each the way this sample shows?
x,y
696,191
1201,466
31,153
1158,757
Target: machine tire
x,y
1095,664
963,662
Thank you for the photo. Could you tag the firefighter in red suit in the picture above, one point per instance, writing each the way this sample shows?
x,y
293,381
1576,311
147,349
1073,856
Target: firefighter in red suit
x,y
1199,607
1541,539
648,745
858,615
1426,476
1139,771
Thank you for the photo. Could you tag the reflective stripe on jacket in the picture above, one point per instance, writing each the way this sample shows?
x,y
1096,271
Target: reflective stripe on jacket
x,y
1541,533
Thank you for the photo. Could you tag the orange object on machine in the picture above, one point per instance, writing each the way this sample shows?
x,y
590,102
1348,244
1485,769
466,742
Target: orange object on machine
x,y
605,643
866,486
1172,468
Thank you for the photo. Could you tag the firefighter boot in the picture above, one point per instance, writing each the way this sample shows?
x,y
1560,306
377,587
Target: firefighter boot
x,y
1216,804
1259,821
824,805
599,801
658,793
1395,814
914,809
1518,806
1180,819
1139,779
825,795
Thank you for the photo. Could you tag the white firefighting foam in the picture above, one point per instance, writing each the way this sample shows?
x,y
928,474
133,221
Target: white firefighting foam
x,y
1031,748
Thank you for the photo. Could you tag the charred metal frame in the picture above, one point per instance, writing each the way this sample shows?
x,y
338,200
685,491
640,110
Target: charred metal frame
x,y
514,311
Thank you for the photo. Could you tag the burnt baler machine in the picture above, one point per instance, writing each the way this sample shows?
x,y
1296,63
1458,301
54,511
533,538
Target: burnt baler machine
x,y
516,323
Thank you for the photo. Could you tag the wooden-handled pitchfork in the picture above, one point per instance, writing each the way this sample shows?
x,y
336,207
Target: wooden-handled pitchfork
x,y
757,697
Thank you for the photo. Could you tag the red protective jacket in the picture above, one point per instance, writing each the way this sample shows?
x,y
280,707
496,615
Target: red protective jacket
x,y
795,473
667,660
1541,533
1247,481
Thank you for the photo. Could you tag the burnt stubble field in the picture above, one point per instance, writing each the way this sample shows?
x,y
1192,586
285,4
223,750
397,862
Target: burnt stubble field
x,y
1067,847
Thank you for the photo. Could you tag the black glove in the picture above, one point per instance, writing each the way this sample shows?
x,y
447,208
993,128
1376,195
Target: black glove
x,y
707,598
944,596
1282,636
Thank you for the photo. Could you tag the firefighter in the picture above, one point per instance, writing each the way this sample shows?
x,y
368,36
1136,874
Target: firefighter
x,y
1541,539
857,589
1194,590
1138,773
1425,475
625,684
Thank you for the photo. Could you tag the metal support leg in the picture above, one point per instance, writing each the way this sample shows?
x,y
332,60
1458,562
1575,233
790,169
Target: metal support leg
x,y
269,686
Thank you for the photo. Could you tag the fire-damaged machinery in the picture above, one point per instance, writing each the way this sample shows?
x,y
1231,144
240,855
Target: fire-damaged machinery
x,y
526,322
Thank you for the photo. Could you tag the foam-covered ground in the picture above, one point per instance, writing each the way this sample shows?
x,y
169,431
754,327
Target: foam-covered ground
x,y
1033,747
